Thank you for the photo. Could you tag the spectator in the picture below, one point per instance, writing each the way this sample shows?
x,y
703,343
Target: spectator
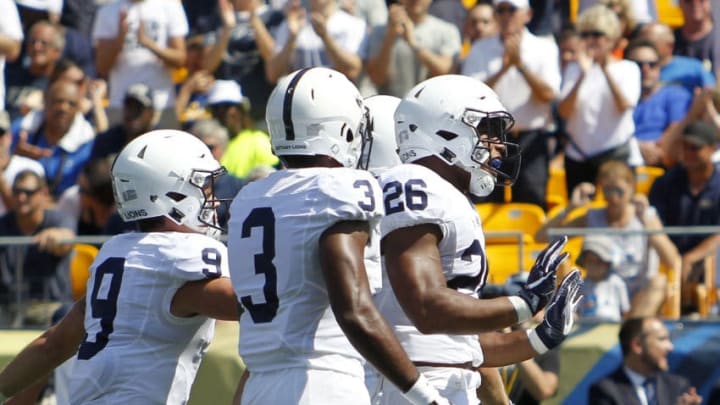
x,y
605,293
11,36
698,36
58,136
139,42
94,92
643,10
333,38
643,376
242,47
597,100
480,24
689,194
11,164
523,70
45,264
569,44
138,113
43,46
676,69
625,210
192,91
661,107
411,47
215,137
248,147
91,203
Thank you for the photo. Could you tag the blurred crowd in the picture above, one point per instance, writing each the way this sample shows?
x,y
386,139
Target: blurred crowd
x,y
588,82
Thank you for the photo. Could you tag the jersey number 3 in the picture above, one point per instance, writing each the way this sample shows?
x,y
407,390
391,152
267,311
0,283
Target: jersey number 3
x,y
263,218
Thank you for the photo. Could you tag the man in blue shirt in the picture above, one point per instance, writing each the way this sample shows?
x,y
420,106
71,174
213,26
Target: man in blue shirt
x,y
660,107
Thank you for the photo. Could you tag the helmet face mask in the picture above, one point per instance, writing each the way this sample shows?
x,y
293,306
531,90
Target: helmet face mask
x,y
168,173
461,121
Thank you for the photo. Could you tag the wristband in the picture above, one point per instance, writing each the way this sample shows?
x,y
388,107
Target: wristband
x,y
422,393
535,341
522,309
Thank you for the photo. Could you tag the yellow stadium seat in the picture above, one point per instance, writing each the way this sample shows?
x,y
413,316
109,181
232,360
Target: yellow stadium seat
x,y
701,294
556,191
671,307
645,177
82,257
506,259
511,217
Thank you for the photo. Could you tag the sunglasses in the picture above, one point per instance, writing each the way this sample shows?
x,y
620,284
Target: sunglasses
x,y
610,191
505,10
26,191
649,63
592,34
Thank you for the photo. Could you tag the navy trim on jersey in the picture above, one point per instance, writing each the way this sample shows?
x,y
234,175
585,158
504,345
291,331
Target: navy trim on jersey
x,y
287,105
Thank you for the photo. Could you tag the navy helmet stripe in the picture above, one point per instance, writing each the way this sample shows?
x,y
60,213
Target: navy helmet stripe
x,y
287,105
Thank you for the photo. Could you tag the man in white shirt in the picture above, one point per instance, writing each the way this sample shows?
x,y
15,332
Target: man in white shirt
x,y
140,41
524,71
325,35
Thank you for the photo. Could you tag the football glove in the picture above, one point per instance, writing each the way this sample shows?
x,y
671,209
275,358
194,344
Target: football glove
x,y
559,315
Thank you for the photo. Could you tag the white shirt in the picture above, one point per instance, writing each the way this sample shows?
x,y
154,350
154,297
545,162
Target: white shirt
x,y
637,381
278,220
596,125
163,20
462,253
348,31
136,351
10,27
540,56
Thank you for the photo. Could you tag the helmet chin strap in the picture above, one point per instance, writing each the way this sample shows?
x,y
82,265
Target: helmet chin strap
x,y
482,183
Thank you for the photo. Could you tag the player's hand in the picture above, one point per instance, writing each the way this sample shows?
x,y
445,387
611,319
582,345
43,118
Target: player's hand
x,y
560,314
539,287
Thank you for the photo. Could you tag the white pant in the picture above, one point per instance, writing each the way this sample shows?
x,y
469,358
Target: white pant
x,y
304,387
454,384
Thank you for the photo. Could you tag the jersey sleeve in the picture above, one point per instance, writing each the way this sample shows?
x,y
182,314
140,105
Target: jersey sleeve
x,y
105,25
412,196
199,257
350,195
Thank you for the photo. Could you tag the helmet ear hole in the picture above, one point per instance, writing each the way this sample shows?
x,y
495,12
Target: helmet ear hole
x,y
177,197
349,135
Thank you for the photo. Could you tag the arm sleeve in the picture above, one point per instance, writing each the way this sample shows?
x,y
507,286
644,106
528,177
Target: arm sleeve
x,y
451,43
199,257
178,20
105,26
10,22
351,195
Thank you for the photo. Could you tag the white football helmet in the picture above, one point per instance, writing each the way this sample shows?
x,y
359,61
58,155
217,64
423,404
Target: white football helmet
x,y
167,173
457,118
381,127
318,111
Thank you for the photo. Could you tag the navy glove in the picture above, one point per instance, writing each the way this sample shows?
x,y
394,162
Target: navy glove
x,y
559,315
539,287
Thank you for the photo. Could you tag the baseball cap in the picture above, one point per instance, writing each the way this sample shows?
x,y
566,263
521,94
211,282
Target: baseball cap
x,y
225,92
602,246
140,93
51,6
700,133
514,3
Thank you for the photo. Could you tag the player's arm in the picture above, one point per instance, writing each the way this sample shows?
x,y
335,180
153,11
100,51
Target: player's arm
x,y
42,355
492,389
415,271
214,298
343,267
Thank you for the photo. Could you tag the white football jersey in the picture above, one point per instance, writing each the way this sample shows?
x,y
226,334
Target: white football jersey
x,y
135,351
274,232
415,195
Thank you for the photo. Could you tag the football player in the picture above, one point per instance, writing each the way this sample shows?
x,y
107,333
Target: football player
x,y
296,241
451,129
145,323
